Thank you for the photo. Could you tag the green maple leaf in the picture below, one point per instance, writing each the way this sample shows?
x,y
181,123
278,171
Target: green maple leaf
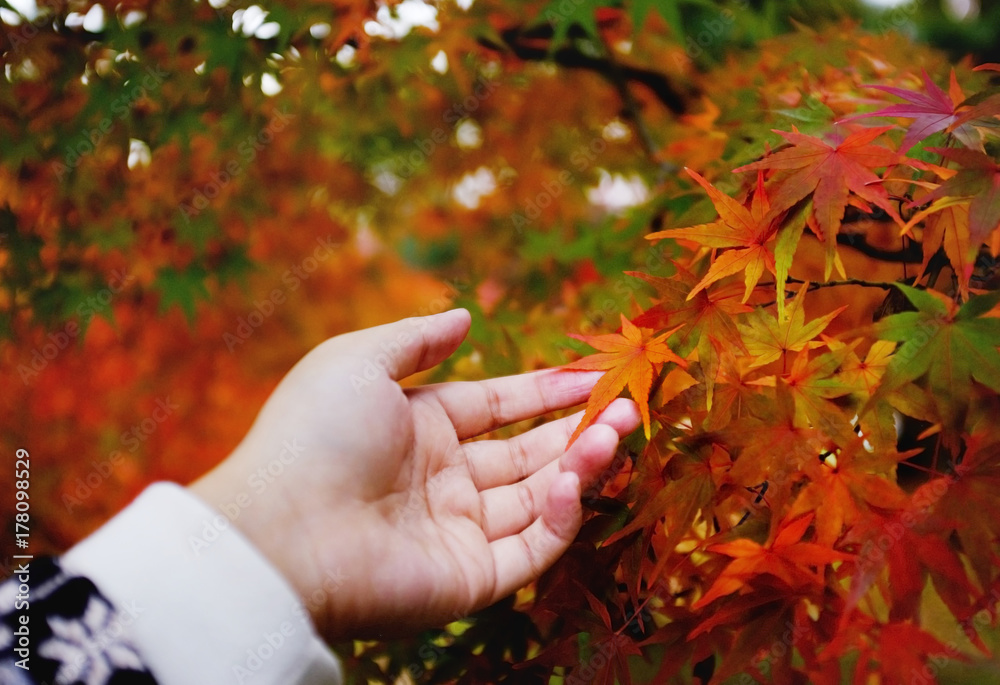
x,y
669,10
182,288
812,384
564,15
767,338
950,345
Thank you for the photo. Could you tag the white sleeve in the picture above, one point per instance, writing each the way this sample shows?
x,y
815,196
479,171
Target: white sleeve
x,y
202,606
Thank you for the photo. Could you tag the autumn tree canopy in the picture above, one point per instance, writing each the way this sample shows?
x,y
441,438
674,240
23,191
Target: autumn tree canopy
x,y
774,227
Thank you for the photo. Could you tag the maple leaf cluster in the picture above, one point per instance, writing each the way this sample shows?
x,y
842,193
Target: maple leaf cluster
x,y
806,494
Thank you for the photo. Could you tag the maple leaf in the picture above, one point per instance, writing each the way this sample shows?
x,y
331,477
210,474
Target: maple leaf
x,y
710,313
931,112
760,615
903,650
677,501
912,548
767,337
953,346
745,230
830,173
969,502
786,557
709,319
982,114
812,383
979,180
846,485
604,654
773,447
947,225
865,375
862,378
630,359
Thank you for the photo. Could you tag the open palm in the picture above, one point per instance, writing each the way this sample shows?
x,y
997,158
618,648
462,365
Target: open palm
x,y
381,489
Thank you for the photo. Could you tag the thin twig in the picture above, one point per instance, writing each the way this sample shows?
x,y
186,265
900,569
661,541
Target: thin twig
x,y
884,285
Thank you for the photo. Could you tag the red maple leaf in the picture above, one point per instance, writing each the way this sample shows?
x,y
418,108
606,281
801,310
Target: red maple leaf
x,y
830,173
931,112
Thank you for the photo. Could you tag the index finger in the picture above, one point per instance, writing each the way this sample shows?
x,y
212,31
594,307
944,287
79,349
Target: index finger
x,y
477,407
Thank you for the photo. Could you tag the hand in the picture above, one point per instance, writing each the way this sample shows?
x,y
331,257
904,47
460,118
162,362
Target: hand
x,y
379,485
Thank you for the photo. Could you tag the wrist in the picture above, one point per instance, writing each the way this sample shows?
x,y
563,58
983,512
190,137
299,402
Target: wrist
x,y
268,520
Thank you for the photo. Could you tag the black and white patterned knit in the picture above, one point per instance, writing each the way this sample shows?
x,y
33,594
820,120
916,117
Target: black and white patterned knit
x,y
74,634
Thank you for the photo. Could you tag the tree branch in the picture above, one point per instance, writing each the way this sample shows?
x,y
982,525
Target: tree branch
x,y
884,285
530,46
912,253
619,80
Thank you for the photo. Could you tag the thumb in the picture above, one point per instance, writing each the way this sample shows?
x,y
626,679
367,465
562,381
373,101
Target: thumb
x,y
417,343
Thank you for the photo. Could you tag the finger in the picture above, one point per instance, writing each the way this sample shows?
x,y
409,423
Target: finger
x,y
520,559
511,508
405,347
493,463
479,407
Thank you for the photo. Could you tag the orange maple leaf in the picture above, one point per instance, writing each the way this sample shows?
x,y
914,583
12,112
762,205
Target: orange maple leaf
x,y
630,358
786,558
746,230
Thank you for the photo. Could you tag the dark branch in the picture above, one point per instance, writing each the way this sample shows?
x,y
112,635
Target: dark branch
x,y
884,285
912,253
530,47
